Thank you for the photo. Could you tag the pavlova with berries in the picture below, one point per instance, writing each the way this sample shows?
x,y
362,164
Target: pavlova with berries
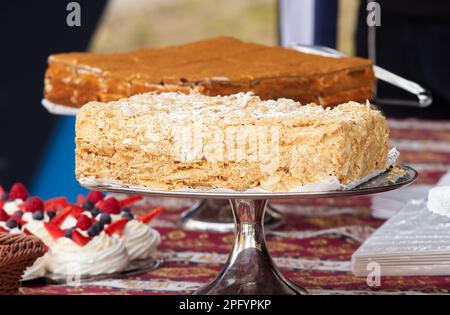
x,y
97,235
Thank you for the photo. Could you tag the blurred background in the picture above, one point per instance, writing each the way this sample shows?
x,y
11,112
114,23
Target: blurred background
x,y
38,148
131,24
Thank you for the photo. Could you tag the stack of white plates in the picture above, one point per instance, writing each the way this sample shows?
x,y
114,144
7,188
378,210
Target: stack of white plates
x,y
414,241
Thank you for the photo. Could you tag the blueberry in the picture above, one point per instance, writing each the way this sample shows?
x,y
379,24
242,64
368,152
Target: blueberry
x,y
92,231
11,223
68,233
98,225
88,205
38,215
95,212
105,218
126,209
51,214
127,215
18,214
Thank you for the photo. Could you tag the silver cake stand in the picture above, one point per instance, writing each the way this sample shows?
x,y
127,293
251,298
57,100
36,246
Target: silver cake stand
x,y
250,268
215,215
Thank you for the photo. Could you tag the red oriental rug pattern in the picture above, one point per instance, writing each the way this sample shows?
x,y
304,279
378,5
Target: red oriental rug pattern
x,y
313,248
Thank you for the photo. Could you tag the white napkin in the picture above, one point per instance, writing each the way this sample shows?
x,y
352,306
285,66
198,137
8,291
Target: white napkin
x,y
439,200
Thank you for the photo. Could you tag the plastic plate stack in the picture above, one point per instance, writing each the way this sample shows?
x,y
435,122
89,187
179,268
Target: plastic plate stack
x,y
414,241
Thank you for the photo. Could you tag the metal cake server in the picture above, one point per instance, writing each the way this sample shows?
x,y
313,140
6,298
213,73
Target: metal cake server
x,y
424,96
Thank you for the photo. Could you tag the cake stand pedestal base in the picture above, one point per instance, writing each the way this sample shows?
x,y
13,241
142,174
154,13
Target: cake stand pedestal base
x,y
215,215
249,269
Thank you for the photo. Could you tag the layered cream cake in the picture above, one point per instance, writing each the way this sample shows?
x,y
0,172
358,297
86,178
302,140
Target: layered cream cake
x,y
215,66
178,141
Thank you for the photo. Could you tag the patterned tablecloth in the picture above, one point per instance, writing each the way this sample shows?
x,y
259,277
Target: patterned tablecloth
x,y
313,249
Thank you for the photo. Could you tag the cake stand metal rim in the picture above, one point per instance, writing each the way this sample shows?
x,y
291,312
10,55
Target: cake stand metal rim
x,y
122,188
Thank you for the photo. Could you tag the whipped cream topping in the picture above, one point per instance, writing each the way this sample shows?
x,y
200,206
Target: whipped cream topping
x,y
102,255
15,230
69,222
140,240
37,228
12,206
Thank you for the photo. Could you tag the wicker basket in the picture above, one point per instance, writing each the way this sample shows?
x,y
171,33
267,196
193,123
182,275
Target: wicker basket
x,y
17,252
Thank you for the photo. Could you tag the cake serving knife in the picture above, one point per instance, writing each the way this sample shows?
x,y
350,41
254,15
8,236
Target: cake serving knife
x,y
424,96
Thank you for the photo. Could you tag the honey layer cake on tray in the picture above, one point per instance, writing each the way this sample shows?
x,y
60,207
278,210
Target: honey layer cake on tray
x,y
178,141
218,66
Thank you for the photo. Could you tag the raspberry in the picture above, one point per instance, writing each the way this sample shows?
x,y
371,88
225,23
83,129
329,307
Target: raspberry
x,y
111,205
34,204
95,196
83,222
18,191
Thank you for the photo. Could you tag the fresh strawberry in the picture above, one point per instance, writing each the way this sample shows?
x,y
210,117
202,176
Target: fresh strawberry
x,y
18,191
55,204
76,211
78,238
61,216
116,227
95,196
3,215
110,205
129,200
3,230
2,202
83,222
34,204
147,217
55,232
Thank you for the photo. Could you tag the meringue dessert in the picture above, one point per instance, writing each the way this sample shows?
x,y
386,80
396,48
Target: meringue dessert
x,y
140,240
173,141
98,235
102,255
